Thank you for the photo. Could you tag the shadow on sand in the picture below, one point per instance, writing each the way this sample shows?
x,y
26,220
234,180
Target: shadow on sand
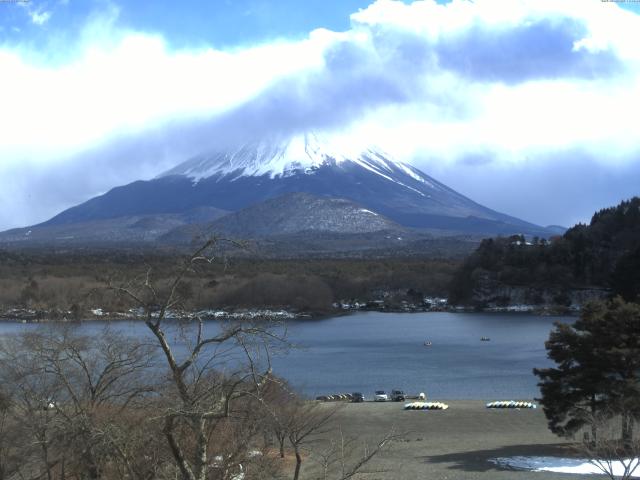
x,y
478,460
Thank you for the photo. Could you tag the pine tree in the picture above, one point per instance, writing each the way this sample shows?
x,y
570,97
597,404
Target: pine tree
x,y
598,369
626,276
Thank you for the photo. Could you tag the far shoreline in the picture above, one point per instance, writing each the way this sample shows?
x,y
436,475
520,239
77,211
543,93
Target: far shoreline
x,y
25,315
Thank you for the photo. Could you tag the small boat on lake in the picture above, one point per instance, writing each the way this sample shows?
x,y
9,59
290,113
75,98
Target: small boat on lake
x,y
485,339
427,344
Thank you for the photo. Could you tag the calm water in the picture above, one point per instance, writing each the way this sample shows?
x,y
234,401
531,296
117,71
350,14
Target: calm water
x,y
370,351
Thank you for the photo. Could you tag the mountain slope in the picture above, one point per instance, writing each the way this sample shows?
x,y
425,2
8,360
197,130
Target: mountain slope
x,y
302,212
233,180
126,229
301,225
294,213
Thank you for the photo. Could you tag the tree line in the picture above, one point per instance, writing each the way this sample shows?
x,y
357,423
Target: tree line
x,y
604,254
71,281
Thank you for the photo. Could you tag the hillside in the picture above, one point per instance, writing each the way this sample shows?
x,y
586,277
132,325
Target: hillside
x,y
599,259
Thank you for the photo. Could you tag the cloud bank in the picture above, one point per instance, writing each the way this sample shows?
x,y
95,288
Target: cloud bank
x,y
457,88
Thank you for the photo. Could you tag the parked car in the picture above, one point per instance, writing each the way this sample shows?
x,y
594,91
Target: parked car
x,y
397,395
381,396
357,397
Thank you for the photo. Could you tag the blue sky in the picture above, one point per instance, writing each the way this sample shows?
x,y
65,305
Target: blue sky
x,y
526,106
185,23
219,23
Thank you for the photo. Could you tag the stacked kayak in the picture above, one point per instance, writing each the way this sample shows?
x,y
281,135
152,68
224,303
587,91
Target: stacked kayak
x,y
510,404
426,406
335,398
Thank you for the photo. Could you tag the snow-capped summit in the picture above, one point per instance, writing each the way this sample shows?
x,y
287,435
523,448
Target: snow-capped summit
x,y
275,157
324,167
302,154
281,157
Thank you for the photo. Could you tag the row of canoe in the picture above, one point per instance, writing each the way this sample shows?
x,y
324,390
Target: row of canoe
x,y
510,404
426,406
444,406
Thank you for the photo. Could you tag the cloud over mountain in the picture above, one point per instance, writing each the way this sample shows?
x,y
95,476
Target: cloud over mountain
x,y
508,82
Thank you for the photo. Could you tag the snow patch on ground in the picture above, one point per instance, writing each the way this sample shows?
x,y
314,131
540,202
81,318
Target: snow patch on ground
x,y
364,210
409,171
578,466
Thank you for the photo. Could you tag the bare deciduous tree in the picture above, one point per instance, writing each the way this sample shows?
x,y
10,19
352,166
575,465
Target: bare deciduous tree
x,y
614,455
190,400
210,372
305,421
310,430
344,457
31,391
71,393
9,457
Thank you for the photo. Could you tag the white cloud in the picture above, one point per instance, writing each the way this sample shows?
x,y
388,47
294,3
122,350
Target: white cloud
x,y
516,120
39,17
37,14
131,83
124,81
513,80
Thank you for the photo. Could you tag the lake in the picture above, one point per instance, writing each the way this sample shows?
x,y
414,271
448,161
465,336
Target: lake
x,y
369,351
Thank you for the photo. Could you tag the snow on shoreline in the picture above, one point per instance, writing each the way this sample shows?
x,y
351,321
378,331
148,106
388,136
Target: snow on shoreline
x,y
560,465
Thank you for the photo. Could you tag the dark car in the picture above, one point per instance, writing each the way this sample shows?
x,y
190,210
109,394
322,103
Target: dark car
x,y
357,397
397,396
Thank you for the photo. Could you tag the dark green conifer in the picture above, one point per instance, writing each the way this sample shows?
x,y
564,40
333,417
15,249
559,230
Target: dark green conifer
x,y
597,369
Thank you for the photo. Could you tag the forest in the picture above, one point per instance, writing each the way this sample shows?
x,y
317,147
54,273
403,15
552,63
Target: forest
x,y
73,280
605,254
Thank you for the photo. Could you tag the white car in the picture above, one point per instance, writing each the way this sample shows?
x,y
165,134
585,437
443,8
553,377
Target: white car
x,y
381,396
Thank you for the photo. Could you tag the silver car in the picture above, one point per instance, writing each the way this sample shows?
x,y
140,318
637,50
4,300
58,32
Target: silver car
x,y
381,396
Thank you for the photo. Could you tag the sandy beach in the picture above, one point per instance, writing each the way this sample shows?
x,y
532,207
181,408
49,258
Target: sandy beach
x,y
457,443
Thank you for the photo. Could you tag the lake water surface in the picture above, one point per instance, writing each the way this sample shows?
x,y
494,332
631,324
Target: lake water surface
x,y
368,351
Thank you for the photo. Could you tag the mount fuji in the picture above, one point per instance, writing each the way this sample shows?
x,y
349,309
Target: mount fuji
x,y
233,189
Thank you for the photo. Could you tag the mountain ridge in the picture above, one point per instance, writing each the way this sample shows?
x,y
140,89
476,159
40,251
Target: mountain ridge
x,y
243,177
